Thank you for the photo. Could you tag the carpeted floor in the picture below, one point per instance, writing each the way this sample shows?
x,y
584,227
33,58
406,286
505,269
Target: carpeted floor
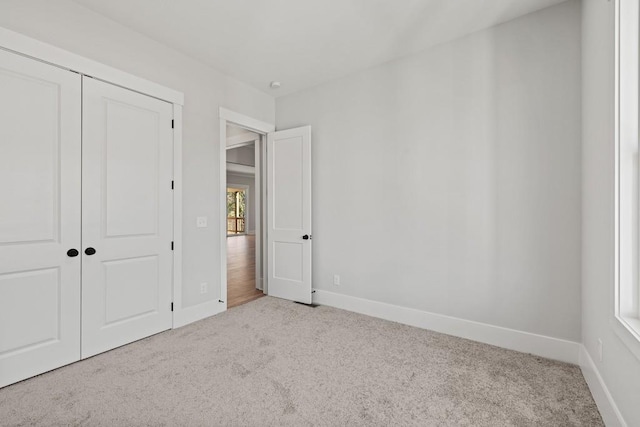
x,y
274,362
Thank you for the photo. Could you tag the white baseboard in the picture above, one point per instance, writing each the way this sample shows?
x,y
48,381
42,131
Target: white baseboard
x,y
540,345
606,405
182,317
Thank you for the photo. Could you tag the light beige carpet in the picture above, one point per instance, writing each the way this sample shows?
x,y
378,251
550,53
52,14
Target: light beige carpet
x,y
273,362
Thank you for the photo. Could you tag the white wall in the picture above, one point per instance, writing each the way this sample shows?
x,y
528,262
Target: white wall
x,y
242,155
619,368
250,181
449,181
79,30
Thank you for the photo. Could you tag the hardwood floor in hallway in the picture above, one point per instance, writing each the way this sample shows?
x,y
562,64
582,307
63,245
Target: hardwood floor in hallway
x,y
241,270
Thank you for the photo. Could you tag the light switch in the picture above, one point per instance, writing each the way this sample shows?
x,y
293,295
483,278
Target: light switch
x,y
201,222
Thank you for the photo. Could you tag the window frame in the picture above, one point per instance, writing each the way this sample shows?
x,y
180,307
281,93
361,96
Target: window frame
x,y
626,311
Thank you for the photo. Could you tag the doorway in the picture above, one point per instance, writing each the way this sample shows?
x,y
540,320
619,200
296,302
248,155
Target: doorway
x,y
243,214
283,230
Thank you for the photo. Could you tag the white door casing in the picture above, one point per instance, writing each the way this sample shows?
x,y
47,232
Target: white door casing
x,y
127,217
40,160
258,210
289,214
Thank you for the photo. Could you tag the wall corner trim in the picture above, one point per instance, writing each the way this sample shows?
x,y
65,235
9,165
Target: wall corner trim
x,y
526,342
606,405
184,316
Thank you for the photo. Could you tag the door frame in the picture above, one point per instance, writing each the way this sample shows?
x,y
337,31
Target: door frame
x,y
34,49
225,117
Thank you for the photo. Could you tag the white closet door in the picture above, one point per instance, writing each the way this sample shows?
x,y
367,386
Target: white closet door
x,y
289,214
40,158
127,206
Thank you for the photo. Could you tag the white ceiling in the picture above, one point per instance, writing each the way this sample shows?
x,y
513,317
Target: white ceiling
x,y
306,42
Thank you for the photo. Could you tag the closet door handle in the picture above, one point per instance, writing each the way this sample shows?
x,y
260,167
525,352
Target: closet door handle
x,y
89,251
72,253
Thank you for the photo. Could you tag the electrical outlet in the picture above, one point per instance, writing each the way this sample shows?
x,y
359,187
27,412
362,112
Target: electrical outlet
x,y
336,280
203,288
600,349
201,222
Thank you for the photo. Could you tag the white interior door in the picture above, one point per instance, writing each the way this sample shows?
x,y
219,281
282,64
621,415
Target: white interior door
x,y
127,205
289,214
40,157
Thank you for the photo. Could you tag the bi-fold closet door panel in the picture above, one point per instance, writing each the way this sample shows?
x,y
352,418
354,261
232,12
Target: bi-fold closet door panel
x,y
40,160
127,216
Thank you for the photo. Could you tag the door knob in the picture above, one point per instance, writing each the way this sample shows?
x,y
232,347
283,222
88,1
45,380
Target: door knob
x,y
89,251
72,253
305,237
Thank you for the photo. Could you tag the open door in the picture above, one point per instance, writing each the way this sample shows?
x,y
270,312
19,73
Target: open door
x,y
289,214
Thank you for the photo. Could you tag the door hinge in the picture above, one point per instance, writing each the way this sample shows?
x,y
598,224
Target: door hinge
x,y
172,124
172,185
171,306
171,245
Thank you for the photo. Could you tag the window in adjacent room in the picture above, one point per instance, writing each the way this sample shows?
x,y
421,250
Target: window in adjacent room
x,y
236,208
